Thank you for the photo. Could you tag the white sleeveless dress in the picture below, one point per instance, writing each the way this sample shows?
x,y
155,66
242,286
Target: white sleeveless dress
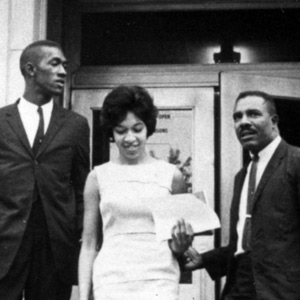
x,y
132,264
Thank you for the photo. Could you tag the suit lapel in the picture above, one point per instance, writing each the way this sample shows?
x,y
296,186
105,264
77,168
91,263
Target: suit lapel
x,y
57,119
14,120
274,162
237,196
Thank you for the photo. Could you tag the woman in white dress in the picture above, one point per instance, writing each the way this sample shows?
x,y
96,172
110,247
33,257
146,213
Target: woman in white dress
x,y
131,263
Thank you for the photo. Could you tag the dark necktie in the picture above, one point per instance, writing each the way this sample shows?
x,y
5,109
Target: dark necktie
x,y
246,241
40,132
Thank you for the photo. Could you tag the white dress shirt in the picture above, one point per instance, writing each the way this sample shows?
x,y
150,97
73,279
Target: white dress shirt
x,y
30,117
264,157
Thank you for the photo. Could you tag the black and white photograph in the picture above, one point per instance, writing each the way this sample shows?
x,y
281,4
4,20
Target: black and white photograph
x,y
150,150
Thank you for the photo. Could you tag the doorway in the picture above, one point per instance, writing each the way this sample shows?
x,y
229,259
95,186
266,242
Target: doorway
x,y
185,136
288,111
286,93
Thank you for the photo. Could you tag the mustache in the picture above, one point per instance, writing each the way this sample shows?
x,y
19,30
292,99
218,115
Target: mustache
x,y
246,129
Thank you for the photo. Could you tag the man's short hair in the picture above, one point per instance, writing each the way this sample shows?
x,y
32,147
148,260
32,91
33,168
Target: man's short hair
x,y
268,99
29,52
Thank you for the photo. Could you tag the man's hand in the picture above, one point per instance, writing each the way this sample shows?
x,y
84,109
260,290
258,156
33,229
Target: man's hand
x,y
193,260
182,237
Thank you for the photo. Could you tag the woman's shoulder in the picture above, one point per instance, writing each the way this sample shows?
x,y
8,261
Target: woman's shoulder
x,y
108,173
165,165
104,170
164,169
102,166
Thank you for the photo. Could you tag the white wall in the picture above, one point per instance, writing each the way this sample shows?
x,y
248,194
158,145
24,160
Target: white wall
x,y
21,22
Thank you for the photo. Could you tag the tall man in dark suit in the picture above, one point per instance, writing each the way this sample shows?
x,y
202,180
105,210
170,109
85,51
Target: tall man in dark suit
x,y
44,161
262,260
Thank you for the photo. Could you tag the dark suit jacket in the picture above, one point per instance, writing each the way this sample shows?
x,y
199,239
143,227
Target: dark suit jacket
x,y
59,169
275,230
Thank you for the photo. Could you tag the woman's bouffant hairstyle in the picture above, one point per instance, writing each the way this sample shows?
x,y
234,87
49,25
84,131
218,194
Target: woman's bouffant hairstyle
x,y
124,99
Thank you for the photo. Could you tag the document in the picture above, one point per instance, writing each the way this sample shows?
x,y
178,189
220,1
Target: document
x,y
168,210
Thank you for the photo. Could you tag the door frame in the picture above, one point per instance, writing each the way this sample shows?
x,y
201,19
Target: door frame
x,y
200,102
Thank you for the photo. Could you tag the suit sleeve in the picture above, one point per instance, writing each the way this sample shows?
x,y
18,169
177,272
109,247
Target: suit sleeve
x,y
216,262
298,178
80,170
293,170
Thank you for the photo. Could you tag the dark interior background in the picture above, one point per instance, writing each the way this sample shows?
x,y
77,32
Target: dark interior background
x,y
190,37
289,119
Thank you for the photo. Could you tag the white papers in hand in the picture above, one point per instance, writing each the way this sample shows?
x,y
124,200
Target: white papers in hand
x,y
168,210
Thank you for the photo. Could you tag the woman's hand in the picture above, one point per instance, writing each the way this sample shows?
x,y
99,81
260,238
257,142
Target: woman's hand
x,y
182,237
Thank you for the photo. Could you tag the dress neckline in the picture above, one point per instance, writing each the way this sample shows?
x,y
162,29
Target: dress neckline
x,y
150,163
